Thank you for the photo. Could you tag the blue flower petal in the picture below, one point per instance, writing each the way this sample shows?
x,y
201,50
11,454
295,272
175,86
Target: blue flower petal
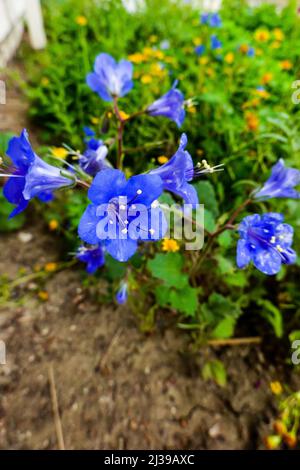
x,y
88,225
97,86
106,185
149,186
20,151
243,255
121,249
267,261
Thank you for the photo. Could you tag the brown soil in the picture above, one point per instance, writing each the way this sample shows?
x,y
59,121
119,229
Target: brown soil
x,y
117,388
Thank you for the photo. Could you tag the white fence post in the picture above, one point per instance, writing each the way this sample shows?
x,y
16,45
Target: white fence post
x,y
34,20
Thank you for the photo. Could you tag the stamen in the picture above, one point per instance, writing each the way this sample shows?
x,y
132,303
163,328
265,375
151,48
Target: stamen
x,y
139,191
124,230
155,204
273,240
151,231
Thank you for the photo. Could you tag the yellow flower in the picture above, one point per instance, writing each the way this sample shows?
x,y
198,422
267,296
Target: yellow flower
x,y
95,120
275,45
262,35
109,114
229,58
276,388
145,79
286,65
153,38
123,115
59,152
252,121
157,70
45,81
244,48
278,34
272,442
158,54
251,103
43,295
53,225
203,60
280,428
162,159
258,52
197,41
81,20
266,78
210,72
192,109
170,245
170,60
195,22
50,267
137,58
262,93
290,439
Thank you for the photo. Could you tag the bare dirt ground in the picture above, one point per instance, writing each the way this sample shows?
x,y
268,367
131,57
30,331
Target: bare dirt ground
x,y
116,388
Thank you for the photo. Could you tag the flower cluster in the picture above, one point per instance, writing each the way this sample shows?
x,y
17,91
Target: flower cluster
x,y
125,212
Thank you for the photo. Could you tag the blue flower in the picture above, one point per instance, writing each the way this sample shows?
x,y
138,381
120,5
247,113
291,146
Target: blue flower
x,y
215,20
215,43
122,294
122,212
178,172
199,50
170,105
94,158
88,131
281,183
110,78
93,257
266,241
251,52
212,19
32,177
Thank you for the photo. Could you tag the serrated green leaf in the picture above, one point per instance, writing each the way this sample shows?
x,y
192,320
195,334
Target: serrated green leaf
x,y
168,268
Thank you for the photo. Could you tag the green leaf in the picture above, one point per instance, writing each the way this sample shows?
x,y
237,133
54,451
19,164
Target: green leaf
x,y
115,270
225,265
4,139
185,300
6,224
162,295
225,329
168,268
209,220
273,315
207,196
225,239
215,370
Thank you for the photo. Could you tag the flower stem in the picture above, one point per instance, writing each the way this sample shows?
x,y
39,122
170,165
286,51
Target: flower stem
x,y
212,236
119,134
